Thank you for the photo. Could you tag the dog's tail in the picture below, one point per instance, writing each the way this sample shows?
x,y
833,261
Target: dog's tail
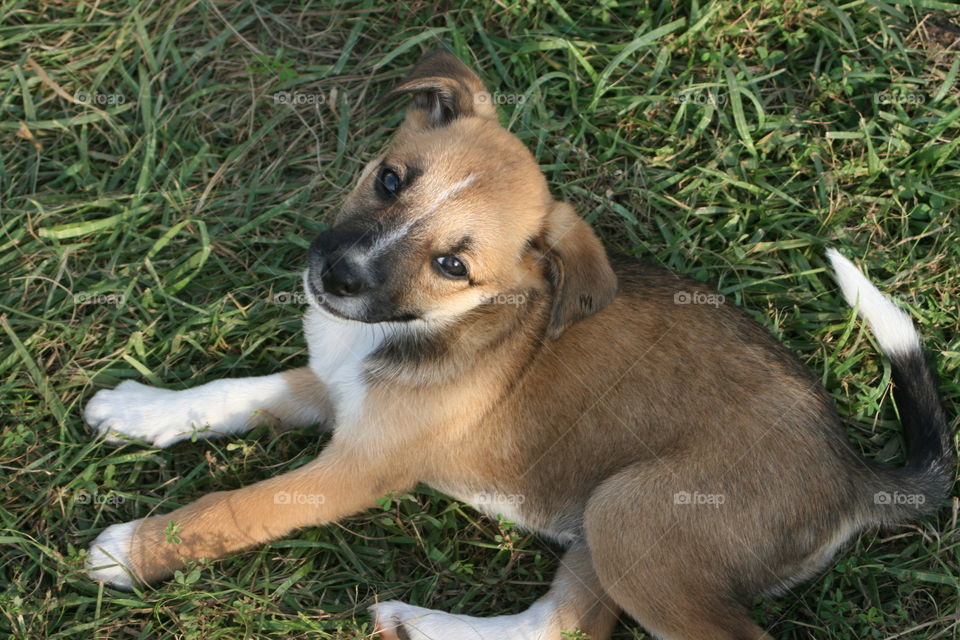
x,y
917,488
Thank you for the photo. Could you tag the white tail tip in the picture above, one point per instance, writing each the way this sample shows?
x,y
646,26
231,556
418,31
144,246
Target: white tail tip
x,y
889,323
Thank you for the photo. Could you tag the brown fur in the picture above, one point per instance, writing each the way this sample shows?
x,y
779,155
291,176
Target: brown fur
x,y
594,396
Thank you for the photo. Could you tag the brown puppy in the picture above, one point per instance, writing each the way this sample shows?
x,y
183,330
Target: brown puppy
x,y
467,331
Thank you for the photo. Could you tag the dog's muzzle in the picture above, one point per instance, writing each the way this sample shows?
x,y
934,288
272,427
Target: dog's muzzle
x,y
337,264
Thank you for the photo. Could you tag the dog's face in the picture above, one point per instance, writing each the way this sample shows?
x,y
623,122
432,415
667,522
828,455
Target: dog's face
x,y
454,214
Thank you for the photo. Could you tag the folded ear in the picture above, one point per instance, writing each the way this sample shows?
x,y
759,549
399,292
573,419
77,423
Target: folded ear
x,y
577,267
443,89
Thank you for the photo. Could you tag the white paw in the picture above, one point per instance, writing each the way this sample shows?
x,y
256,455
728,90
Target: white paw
x,y
395,620
109,556
159,416
390,620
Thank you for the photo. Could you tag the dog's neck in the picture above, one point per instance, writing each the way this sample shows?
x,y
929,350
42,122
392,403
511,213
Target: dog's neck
x,y
436,353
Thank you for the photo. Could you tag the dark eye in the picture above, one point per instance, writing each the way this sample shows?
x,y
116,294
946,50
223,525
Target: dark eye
x,y
452,267
388,183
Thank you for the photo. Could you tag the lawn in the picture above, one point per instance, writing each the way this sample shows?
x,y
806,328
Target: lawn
x,y
164,165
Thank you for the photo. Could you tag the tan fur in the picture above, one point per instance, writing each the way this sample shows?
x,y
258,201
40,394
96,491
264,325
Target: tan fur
x,y
304,387
338,483
592,395
578,269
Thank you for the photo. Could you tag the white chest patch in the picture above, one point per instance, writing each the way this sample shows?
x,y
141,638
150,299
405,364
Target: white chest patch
x,y
493,504
337,350
496,505
512,507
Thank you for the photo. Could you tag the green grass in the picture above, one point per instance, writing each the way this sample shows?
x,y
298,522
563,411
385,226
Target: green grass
x,y
142,156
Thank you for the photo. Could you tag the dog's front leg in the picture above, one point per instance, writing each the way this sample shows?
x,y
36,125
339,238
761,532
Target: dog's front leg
x,y
294,398
340,482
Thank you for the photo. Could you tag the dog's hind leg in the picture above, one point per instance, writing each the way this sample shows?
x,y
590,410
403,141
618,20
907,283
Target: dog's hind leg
x,y
658,565
295,398
575,602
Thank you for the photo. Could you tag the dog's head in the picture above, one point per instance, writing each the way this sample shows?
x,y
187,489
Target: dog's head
x,y
454,214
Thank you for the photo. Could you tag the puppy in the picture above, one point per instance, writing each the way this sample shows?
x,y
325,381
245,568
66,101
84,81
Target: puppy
x,y
469,332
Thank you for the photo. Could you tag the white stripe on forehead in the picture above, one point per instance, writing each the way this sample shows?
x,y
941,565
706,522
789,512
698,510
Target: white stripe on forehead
x,y
451,191
369,168
388,239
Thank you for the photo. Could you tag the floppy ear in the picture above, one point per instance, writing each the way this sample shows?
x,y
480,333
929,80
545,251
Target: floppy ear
x,y
443,89
577,267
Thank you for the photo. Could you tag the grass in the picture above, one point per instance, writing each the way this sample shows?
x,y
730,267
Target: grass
x,y
156,199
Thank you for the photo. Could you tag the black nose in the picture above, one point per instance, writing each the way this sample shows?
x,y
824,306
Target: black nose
x,y
333,258
341,279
